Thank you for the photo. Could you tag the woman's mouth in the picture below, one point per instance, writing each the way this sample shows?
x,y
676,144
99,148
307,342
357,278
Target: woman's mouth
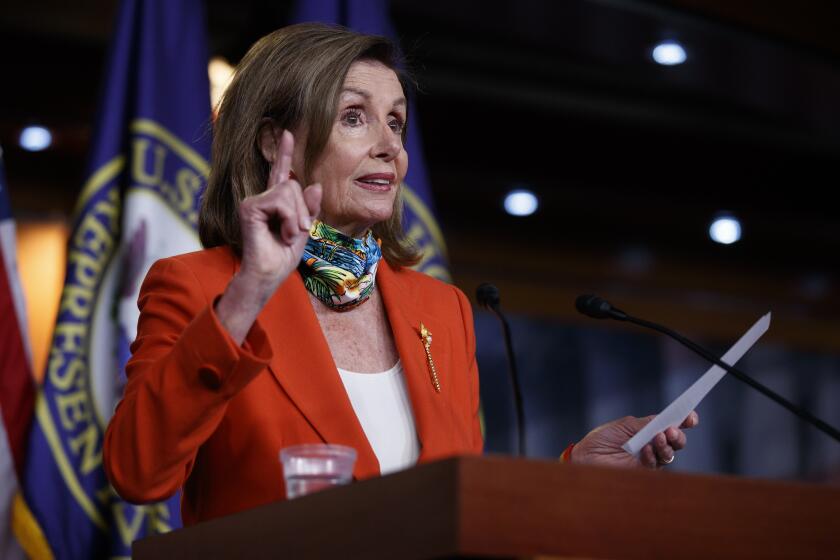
x,y
377,182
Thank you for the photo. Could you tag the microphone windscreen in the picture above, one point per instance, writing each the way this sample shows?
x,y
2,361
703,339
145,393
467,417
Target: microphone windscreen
x,y
593,306
487,295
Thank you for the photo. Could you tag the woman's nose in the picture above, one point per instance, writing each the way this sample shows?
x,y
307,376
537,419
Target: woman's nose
x,y
388,143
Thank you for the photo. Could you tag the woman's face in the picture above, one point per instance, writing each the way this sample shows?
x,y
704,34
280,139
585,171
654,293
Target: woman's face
x,y
364,161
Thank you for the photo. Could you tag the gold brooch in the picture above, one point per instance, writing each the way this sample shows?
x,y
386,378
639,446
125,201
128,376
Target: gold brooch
x,y
426,338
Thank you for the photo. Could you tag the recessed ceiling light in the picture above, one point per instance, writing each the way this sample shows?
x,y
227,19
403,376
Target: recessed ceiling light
x,y
35,138
669,53
521,202
725,230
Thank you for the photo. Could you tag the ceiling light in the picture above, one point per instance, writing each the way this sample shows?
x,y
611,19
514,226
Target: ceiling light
x,y
521,202
725,230
35,138
669,53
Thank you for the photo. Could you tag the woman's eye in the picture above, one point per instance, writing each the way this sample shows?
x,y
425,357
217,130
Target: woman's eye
x,y
396,125
352,117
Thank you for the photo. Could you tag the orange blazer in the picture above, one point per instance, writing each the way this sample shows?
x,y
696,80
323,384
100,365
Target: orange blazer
x,y
205,415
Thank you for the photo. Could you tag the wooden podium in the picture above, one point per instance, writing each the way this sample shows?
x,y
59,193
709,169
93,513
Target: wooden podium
x,y
498,507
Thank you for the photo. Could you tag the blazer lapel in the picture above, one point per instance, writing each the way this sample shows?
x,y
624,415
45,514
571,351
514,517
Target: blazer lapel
x,y
304,367
433,415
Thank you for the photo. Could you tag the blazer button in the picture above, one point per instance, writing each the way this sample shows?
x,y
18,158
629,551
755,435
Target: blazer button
x,y
210,376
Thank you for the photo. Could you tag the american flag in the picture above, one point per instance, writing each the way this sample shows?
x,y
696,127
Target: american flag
x,y
16,384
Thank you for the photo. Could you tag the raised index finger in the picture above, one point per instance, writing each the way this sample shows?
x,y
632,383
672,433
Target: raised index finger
x,y
287,146
283,159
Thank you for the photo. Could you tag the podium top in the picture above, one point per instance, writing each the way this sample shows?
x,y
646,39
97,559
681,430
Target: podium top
x,y
498,507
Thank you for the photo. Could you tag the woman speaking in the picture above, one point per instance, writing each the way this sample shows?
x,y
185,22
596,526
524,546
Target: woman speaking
x,y
300,322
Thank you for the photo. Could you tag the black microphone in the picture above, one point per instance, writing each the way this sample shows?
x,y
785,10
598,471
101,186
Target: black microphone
x,y
488,296
598,308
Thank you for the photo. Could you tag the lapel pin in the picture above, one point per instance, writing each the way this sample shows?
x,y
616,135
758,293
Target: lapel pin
x,y
426,338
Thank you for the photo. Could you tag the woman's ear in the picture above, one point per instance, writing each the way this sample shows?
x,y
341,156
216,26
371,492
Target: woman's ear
x,y
268,137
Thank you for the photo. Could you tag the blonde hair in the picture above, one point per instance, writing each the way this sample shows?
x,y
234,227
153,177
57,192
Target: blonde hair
x,y
294,77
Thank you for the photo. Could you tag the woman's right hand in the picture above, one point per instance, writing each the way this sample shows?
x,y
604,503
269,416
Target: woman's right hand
x,y
275,223
275,227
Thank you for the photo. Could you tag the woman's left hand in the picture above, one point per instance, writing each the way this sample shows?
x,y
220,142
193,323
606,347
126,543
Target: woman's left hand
x,y
602,446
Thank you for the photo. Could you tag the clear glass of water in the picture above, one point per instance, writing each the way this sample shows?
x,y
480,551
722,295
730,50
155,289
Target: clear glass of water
x,y
316,466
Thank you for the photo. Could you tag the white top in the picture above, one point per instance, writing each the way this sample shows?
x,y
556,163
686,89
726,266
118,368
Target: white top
x,y
381,403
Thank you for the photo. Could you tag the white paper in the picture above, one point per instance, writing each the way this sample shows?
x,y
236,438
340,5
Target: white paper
x,y
676,412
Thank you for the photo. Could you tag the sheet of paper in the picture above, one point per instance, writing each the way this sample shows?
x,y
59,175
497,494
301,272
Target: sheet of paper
x,y
676,412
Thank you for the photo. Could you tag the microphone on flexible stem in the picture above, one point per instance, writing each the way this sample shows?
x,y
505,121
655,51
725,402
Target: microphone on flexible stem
x,y
598,308
488,296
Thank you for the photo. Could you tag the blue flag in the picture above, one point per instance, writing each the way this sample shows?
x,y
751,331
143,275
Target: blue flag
x,y
140,203
371,17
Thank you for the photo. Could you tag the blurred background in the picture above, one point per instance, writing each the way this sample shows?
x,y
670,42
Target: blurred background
x,y
624,130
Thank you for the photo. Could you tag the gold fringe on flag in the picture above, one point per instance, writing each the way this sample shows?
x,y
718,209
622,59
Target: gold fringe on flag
x,y
28,532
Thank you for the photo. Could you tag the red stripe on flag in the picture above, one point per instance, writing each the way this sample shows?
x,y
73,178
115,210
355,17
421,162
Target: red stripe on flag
x,y
17,390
